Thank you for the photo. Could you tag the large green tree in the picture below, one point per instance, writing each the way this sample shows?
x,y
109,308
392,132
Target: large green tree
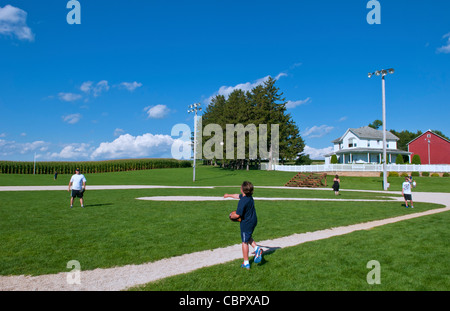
x,y
376,124
263,105
405,137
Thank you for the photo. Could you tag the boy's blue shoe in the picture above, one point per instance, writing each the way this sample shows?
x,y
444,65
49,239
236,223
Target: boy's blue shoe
x,y
246,266
258,255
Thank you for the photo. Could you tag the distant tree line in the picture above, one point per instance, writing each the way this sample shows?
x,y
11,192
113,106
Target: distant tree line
x,y
405,137
89,167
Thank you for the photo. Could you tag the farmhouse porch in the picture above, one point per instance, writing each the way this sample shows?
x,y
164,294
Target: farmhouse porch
x,y
365,155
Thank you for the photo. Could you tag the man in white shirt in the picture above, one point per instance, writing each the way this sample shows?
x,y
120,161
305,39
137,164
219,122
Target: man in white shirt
x,y
78,184
406,192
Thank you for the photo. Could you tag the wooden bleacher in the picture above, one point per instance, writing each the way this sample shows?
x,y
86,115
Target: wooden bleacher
x,y
312,180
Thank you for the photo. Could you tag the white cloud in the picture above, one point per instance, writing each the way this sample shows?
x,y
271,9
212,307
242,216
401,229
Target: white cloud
x,y
128,146
86,86
125,146
248,86
89,87
281,74
8,148
446,48
317,154
13,22
118,132
130,86
343,119
73,151
157,112
69,97
292,104
36,145
72,118
317,131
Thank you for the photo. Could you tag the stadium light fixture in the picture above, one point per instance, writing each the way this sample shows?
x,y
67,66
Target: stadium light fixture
x,y
383,73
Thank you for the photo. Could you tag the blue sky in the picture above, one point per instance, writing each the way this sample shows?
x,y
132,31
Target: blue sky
x,y
115,85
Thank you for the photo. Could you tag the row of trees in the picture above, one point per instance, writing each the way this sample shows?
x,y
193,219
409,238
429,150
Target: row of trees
x,y
263,105
16,167
404,136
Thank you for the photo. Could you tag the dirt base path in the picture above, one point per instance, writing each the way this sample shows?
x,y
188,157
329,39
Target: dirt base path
x,y
120,278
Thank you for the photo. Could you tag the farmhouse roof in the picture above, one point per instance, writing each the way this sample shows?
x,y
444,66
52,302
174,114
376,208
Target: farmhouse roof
x,y
367,132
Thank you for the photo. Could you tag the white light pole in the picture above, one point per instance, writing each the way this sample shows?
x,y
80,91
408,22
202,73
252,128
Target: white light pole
x,y
195,108
428,139
383,73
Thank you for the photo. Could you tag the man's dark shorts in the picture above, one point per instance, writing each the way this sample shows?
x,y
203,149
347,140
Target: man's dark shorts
x,y
77,193
407,197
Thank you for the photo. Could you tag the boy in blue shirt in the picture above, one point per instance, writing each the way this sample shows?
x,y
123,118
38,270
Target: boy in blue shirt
x,y
246,210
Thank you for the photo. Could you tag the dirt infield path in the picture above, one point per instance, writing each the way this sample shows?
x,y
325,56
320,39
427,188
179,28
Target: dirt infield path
x,y
120,278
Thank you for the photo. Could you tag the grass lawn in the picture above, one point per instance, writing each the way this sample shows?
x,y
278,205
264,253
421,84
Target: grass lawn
x,y
39,233
413,256
213,176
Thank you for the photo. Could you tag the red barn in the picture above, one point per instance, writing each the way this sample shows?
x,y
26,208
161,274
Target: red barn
x,y
432,148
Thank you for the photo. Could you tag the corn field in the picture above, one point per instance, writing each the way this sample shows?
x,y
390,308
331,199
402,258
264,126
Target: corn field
x,y
16,167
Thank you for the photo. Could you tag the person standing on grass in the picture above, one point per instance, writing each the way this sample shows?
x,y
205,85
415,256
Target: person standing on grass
x,y
406,192
336,183
246,210
78,184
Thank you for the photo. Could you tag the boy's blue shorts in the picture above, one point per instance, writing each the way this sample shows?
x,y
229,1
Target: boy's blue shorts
x,y
246,236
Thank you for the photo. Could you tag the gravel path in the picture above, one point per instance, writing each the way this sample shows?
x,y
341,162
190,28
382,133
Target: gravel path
x,y
120,278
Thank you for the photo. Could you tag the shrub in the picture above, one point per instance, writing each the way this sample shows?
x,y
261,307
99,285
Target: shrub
x,y
404,175
446,175
435,175
334,159
303,159
399,159
393,174
416,174
416,159
425,174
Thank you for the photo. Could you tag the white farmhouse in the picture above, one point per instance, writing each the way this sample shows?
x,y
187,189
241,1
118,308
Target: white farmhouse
x,y
364,145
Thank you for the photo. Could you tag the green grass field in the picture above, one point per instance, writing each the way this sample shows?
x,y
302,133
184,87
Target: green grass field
x,y
411,257
39,233
211,176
